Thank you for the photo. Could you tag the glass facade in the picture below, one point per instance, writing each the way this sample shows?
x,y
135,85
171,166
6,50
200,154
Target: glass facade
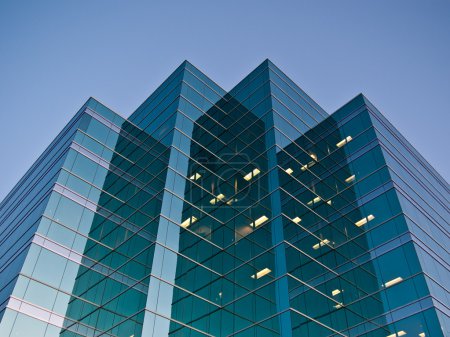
x,y
248,213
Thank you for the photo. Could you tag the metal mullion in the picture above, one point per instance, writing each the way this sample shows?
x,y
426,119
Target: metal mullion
x,y
77,233
430,238
89,269
193,233
253,258
193,261
111,167
178,322
194,122
340,167
121,131
283,102
339,215
106,218
330,172
253,324
418,207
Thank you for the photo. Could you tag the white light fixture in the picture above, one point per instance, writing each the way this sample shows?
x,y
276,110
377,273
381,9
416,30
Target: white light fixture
x,y
313,155
338,306
259,221
195,176
365,220
296,219
321,243
336,292
350,179
329,202
252,174
213,201
422,334
314,201
398,334
393,282
186,223
344,141
261,273
304,167
289,171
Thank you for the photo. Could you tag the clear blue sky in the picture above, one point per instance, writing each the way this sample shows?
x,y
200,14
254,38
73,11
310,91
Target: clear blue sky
x,y
55,54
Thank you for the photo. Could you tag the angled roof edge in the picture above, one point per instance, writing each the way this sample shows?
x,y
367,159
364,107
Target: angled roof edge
x,y
296,87
264,65
160,88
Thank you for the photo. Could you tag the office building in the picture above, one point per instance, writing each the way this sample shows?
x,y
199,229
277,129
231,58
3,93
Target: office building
x,y
248,213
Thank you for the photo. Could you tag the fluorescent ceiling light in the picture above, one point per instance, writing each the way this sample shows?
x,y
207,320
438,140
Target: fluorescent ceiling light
x,y
321,243
186,223
296,219
261,273
392,282
365,220
350,179
252,174
195,176
216,199
313,156
336,292
259,221
338,306
289,171
344,141
304,167
314,201
422,334
400,333
329,202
